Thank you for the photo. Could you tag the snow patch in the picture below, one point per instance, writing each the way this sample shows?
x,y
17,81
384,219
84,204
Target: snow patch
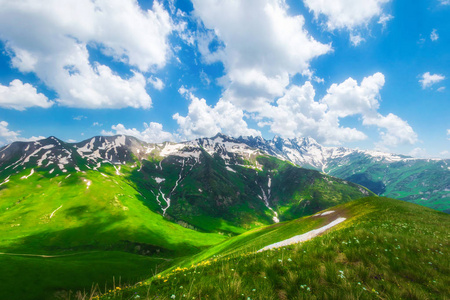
x,y
325,213
26,177
265,198
170,149
230,169
6,180
117,170
53,213
159,180
303,237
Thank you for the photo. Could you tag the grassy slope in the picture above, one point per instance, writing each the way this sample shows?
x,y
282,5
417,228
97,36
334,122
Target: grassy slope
x,y
386,249
60,215
422,182
107,223
212,198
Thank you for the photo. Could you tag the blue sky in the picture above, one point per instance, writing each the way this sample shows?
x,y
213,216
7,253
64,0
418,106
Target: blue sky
x,y
369,74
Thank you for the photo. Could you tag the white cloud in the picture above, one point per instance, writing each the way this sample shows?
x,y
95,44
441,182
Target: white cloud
x,y
429,79
445,2
71,141
356,39
347,14
396,131
97,124
384,19
434,36
441,89
6,134
444,154
9,136
349,98
418,152
153,132
53,43
203,120
79,118
260,45
298,114
448,134
20,96
156,82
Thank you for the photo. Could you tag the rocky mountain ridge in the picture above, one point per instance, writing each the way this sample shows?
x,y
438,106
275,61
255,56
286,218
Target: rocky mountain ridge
x,y
397,176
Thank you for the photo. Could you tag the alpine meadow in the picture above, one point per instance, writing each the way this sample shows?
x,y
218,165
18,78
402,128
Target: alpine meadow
x,y
215,149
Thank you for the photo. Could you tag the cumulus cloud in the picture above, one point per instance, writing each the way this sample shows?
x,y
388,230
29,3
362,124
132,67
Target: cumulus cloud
x,y
396,131
448,134
204,120
54,42
153,132
20,96
297,113
429,79
156,82
259,44
347,14
351,15
9,136
434,36
349,98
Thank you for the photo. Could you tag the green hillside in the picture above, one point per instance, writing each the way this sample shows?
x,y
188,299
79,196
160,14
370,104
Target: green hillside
x,y
420,181
64,229
386,249
105,225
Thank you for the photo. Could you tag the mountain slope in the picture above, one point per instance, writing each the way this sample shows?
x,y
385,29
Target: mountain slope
x,y
384,249
421,181
401,177
189,183
118,201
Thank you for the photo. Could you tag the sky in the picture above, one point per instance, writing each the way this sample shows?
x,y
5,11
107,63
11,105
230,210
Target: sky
x,y
368,74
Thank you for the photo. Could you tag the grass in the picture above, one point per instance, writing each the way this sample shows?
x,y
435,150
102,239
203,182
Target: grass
x,y
114,225
23,277
106,231
387,249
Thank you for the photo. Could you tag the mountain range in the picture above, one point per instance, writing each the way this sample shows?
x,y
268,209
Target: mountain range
x,y
421,181
133,208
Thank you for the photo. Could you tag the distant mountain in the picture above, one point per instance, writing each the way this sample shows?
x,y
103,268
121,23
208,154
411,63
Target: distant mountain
x,y
416,180
421,181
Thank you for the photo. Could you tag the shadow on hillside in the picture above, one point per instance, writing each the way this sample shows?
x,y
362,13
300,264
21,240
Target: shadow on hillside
x,y
94,236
